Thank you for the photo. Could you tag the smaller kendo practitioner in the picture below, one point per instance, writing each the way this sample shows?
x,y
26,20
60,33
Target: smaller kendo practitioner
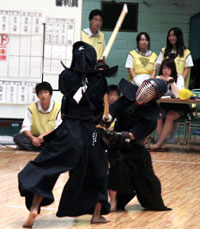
x,y
131,172
75,146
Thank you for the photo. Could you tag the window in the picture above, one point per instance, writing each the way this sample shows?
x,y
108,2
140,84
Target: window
x,y
112,11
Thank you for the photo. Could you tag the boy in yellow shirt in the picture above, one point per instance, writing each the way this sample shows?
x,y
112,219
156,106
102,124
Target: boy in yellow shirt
x,y
41,118
93,35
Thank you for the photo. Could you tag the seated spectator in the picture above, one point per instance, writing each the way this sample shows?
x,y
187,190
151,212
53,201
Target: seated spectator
x,y
41,118
140,62
175,82
176,50
113,93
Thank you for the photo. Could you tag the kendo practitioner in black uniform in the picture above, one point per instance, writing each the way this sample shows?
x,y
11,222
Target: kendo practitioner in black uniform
x,y
75,146
131,172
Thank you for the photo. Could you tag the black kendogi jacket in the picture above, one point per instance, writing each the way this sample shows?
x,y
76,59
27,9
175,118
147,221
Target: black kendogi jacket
x,y
91,103
142,122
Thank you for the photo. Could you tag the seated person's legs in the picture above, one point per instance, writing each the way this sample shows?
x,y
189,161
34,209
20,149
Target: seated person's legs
x,y
159,127
25,143
171,116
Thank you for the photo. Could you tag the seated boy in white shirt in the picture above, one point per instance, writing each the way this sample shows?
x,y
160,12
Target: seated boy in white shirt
x,y
41,118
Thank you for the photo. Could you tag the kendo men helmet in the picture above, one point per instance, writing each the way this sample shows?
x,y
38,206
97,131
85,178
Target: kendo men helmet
x,y
150,90
84,57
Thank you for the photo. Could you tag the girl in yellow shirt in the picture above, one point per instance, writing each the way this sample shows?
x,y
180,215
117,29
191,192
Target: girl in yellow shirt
x,y
140,62
176,50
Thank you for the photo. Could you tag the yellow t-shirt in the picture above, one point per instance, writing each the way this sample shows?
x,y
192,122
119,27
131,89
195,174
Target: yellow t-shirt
x,y
96,41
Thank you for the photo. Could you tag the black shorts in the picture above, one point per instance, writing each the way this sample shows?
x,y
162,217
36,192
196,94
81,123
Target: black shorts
x,y
182,109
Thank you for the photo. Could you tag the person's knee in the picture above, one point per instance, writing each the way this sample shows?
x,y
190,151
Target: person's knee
x,y
20,139
171,117
16,139
159,121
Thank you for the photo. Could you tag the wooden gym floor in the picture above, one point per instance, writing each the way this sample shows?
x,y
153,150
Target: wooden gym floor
x,y
178,171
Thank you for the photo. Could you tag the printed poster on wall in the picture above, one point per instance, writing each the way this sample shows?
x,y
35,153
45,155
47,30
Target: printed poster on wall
x,y
21,42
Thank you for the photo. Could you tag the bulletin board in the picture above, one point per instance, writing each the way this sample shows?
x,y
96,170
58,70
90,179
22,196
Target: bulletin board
x,y
35,36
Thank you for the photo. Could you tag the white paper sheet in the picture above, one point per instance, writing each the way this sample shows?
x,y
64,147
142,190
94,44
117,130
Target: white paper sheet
x,y
3,69
13,66
35,69
36,46
24,69
25,46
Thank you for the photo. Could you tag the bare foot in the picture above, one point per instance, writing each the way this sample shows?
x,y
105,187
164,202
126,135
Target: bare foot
x,y
30,220
100,219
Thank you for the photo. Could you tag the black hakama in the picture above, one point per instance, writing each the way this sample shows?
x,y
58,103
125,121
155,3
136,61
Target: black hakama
x,y
76,147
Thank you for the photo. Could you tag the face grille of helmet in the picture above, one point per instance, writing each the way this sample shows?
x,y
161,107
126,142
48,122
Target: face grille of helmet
x,y
146,92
